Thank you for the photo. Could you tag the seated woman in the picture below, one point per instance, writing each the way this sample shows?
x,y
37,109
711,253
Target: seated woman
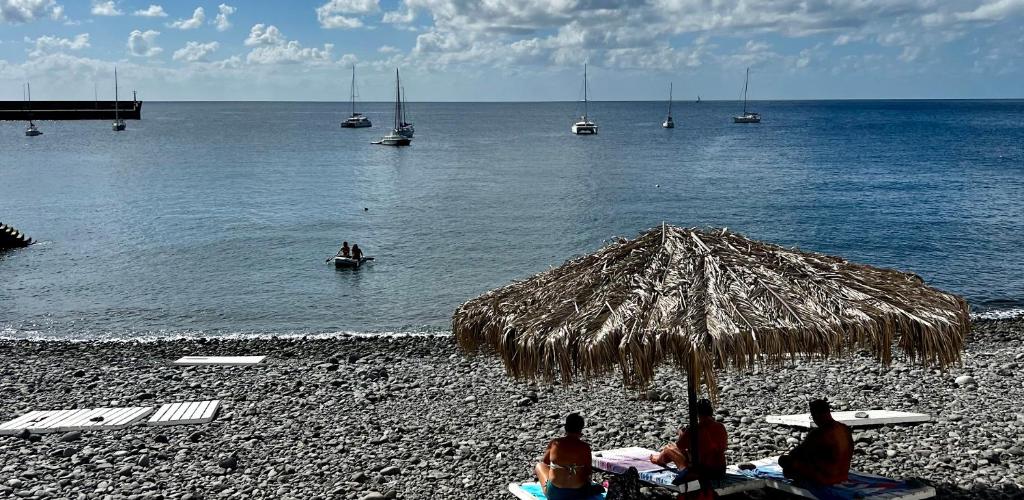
x,y
564,472
712,441
344,251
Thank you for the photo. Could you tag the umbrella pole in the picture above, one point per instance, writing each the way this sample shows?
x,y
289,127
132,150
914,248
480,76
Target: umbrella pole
x,y
691,383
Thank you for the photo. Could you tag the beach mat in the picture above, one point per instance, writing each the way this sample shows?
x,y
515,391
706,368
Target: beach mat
x,y
619,460
188,412
42,422
859,486
533,491
220,360
850,418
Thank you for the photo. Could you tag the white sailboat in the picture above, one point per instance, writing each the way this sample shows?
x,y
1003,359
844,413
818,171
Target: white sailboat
x,y
31,130
668,123
747,116
395,138
584,126
356,120
405,128
118,124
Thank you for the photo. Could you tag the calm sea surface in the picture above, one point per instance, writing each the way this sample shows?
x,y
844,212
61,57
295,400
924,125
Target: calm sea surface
x,y
216,218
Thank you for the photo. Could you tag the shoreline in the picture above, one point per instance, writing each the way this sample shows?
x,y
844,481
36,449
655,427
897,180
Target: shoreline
x,y
411,417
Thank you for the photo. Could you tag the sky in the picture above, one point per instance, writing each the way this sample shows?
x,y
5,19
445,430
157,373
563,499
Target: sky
x,y
512,50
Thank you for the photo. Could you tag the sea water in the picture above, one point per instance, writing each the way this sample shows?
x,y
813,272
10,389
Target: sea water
x,y
216,218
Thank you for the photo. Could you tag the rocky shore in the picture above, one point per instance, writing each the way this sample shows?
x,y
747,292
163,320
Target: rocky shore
x,y
412,418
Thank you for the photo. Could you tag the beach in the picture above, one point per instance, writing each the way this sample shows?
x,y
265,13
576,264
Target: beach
x,y
412,417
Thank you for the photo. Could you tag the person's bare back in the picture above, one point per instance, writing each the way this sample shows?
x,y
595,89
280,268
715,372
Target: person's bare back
x,y
569,459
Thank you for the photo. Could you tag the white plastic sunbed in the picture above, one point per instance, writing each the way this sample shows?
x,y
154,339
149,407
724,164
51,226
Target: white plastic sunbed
x,y
860,485
188,412
533,491
618,460
850,418
41,422
220,360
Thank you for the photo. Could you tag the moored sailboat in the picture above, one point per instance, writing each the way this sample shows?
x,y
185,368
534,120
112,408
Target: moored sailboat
x,y
747,116
31,130
356,120
395,138
584,126
669,123
118,124
405,128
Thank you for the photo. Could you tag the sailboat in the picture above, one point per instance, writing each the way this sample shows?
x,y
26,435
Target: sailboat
x,y
405,128
118,125
32,130
698,99
584,126
668,123
747,116
357,120
395,138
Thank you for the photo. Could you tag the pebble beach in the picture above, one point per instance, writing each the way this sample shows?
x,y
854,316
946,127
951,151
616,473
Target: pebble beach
x,y
412,417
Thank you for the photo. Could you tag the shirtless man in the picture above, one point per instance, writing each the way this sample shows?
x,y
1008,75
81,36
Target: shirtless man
x,y
564,472
824,456
712,441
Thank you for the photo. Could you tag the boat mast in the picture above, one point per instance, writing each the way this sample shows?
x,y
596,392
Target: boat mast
x,y
116,105
745,83
352,92
405,106
398,98
670,99
585,92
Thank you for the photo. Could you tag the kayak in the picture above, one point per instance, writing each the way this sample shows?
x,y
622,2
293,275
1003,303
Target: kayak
x,y
350,263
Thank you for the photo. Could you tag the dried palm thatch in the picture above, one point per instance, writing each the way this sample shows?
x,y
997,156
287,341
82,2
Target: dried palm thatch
x,y
704,299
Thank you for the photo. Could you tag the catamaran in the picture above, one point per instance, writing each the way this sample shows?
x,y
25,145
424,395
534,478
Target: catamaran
x,y
584,126
357,120
747,116
119,124
31,130
395,138
668,123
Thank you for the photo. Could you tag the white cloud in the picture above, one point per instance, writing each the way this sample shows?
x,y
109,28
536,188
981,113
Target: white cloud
x,y
992,11
106,8
197,19
47,44
222,21
143,43
24,11
270,46
261,34
152,11
195,51
399,16
336,13
387,49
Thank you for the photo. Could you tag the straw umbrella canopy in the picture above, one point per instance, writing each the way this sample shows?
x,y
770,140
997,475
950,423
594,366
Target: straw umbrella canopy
x,y
705,299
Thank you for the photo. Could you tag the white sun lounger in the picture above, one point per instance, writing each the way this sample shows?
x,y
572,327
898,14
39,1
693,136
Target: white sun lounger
x,y
874,417
188,412
618,460
220,360
41,422
860,485
533,491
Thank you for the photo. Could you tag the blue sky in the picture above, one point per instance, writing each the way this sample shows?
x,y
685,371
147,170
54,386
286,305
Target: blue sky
x,y
513,50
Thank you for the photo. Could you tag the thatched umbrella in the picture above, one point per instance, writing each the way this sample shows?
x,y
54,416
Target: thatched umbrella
x,y
704,299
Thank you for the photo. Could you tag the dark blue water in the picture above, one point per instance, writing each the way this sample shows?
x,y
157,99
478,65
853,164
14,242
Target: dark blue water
x,y
216,218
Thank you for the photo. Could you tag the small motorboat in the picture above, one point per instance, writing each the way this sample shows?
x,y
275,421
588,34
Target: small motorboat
x,y
350,263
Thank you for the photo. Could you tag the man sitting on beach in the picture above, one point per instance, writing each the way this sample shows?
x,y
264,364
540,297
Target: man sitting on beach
x,y
564,472
823,458
712,441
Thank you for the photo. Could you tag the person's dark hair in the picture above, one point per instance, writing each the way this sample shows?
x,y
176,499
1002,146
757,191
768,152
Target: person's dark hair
x,y
573,423
344,243
704,408
819,406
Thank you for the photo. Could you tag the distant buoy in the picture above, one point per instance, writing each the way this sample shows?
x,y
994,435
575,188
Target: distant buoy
x,y
657,185
366,209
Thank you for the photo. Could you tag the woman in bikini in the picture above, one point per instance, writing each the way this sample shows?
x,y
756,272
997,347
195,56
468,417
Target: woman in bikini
x,y
564,472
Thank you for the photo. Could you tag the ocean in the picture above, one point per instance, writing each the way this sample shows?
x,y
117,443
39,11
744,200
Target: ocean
x,y
215,219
